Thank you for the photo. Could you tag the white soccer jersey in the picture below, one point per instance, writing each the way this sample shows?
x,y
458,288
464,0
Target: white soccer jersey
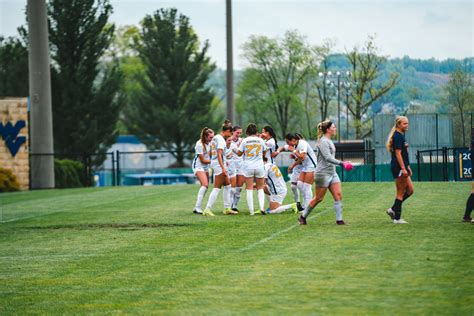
x,y
271,148
253,148
310,159
199,149
218,142
228,154
274,179
236,143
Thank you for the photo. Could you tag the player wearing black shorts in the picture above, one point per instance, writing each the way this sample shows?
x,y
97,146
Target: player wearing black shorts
x,y
400,167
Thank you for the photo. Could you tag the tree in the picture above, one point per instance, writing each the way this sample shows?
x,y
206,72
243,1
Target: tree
x,y
276,76
13,68
460,95
86,99
365,68
324,91
174,103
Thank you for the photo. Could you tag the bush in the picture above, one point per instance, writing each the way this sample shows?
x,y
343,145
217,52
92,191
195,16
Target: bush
x,y
8,181
68,173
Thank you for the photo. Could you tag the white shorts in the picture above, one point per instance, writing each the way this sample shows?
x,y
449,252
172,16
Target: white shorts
x,y
278,198
195,170
295,175
308,168
257,173
325,180
237,169
216,170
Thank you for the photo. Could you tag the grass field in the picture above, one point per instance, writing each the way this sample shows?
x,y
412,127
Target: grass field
x,y
141,250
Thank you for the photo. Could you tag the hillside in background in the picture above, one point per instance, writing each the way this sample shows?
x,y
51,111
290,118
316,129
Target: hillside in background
x,y
420,88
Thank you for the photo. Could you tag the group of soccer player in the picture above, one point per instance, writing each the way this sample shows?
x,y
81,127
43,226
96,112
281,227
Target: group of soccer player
x,y
236,161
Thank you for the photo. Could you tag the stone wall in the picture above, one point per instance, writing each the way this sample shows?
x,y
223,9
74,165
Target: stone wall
x,y
14,141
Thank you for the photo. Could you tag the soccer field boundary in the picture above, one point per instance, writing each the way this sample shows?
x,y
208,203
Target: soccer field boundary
x,y
72,209
266,239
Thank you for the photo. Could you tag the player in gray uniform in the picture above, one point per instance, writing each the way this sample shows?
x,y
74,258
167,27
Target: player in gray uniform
x,y
326,176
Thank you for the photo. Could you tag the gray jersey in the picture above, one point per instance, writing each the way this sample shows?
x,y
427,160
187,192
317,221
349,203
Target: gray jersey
x,y
326,156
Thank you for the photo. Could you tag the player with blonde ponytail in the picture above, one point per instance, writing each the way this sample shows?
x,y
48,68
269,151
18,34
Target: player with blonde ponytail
x,y
326,176
400,167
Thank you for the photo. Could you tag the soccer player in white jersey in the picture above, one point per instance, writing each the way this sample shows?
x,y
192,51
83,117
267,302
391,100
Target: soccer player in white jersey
x,y
201,165
236,171
218,145
276,188
253,149
303,151
270,138
326,176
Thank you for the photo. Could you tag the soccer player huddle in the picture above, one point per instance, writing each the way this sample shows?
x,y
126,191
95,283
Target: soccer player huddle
x,y
237,160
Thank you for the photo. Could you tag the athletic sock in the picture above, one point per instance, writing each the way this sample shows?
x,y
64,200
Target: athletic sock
x,y
397,208
296,192
261,199
236,199
250,201
469,206
307,210
212,198
338,209
308,192
281,209
227,191
301,187
201,193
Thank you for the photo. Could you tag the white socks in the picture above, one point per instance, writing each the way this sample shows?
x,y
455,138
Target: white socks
x,y
212,198
338,209
236,198
281,209
308,192
200,197
250,201
305,189
261,199
296,192
227,200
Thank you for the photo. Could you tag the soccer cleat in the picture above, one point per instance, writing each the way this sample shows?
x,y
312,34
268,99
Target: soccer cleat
x,y
268,211
262,212
235,210
207,212
400,221
228,211
341,222
302,220
472,220
300,208
294,208
467,219
391,213
196,211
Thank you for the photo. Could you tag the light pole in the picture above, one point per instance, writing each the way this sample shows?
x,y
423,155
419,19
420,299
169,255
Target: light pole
x,y
336,80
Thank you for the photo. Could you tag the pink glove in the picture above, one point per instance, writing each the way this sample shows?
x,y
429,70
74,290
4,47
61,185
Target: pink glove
x,y
347,165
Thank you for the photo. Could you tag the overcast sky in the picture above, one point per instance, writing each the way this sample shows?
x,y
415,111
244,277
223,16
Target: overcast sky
x,y
419,29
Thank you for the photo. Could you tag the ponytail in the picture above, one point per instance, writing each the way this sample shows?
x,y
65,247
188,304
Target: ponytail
x,y
323,127
204,133
398,120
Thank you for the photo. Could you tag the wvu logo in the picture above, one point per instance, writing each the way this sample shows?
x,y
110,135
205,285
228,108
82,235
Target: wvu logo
x,y
10,133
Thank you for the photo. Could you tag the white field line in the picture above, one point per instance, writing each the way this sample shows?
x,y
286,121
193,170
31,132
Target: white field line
x,y
90,205
261,241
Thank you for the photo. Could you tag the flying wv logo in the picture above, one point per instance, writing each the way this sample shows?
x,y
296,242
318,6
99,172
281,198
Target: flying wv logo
x,y
10,136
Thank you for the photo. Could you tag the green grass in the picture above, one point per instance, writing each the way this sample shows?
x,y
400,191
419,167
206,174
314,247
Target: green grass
x,y
141,250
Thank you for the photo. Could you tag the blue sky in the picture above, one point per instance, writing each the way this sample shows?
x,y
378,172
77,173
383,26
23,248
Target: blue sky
x,y
419,29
